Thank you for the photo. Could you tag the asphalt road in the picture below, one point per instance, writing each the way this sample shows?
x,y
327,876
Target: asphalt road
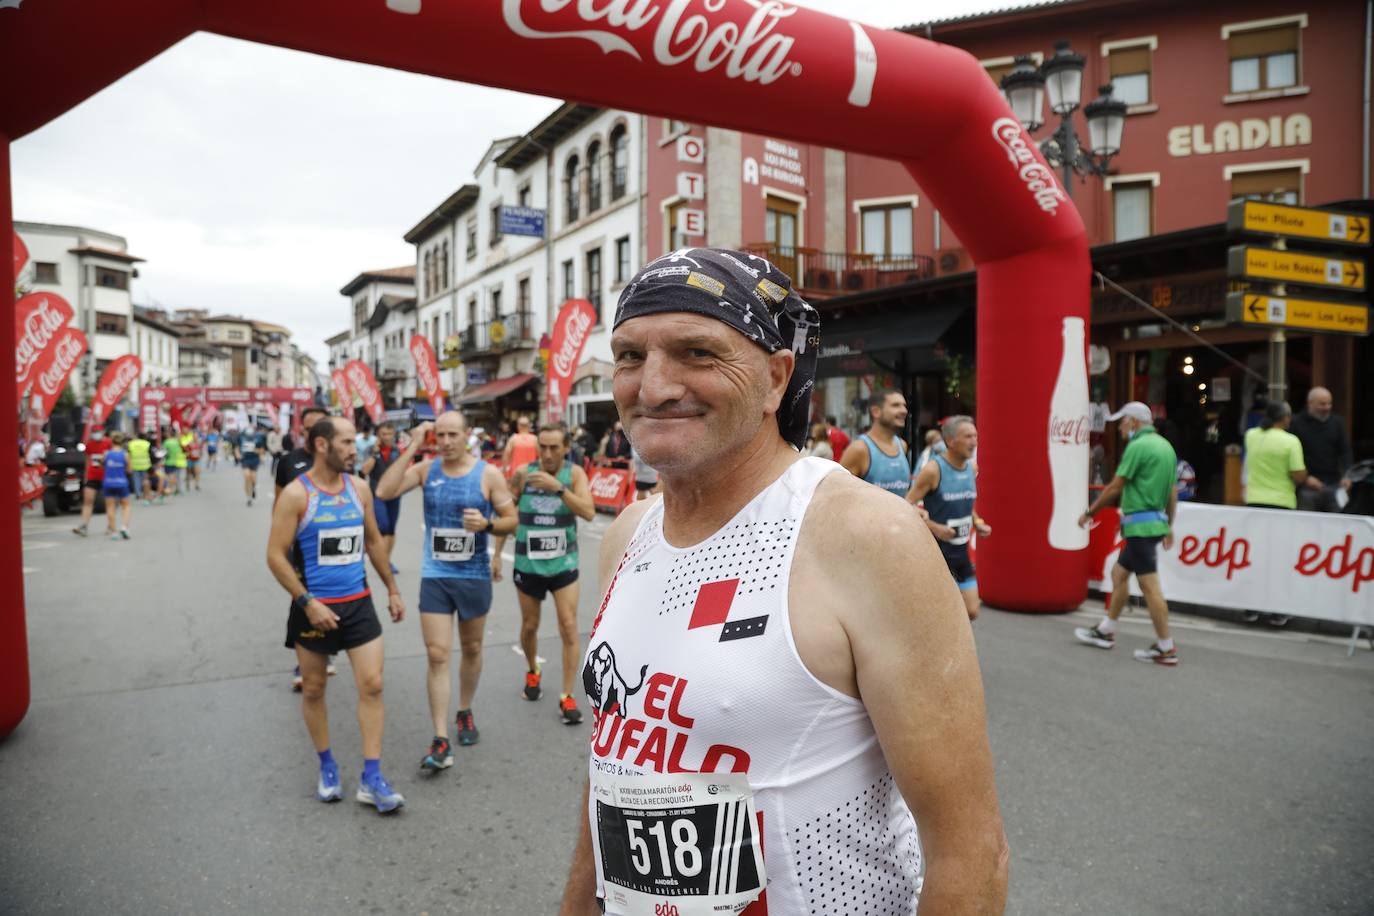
x,y
164,768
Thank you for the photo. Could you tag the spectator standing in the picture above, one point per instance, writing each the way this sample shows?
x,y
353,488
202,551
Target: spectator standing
x,y
521,449
1325,450
366,441
838,440
140,463
274,447
615,447
935,445
1275,470
818,443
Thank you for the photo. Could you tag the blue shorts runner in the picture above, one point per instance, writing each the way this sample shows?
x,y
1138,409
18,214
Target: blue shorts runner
x,y
468,598
388,512
116,492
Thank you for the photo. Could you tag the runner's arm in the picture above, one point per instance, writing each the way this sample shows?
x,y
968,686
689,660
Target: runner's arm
x,y
376,552
285,513
578,497
517,485
1107,497
927,479
855,458
579,895
917,672
498,494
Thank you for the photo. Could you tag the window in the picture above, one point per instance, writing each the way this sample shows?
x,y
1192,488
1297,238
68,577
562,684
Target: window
x,y
111,279
671,128
1132,210
1264,58
44,272
594,280
594,176
495,312
523,196
443,266
107,323
572,190
472,239
429,275
622,259
1129,70
472,314
620,161
522,294
495,224
234,334
780,230
569,281
885,232
676,238
1280,186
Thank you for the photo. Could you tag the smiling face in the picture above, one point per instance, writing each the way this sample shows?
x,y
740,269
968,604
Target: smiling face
x,y
690,389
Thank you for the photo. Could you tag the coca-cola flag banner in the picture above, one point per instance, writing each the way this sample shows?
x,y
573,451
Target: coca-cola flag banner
x,y
341,392
575,320
612,489
31,483
361,380
21,256
38,317
1317,564
118,376
427,371
208,418
56,364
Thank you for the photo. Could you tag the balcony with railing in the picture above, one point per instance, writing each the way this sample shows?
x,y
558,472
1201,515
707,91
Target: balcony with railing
x,y
512,331
822,274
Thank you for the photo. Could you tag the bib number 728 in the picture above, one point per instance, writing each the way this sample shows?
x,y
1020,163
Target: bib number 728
x,y
686,856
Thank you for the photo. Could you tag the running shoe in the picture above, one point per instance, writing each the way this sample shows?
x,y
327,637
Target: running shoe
x,y
1250,616
1279,620
296,680
532,689
329,789
81,530
378,792
1157,655
114,535
467,729
567,708
124,533
440,756
1095,637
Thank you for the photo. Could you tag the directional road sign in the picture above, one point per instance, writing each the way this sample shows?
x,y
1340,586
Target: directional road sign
x,y
1251,263
1327,226
1298,314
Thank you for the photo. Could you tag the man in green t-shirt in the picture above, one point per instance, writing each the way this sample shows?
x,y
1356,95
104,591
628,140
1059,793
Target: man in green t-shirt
x,y
1144,482
552,494
173,464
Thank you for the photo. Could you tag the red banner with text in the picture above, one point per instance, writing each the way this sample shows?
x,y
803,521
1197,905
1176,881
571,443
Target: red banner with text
x,y
21,256
53,368
38,319
119,375
612,489
362,381
575,321
427,370
31,484
341,392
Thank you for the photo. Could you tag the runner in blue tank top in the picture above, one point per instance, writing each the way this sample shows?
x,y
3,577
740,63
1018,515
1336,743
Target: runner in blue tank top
x,y
466,500
880,456
329,520
948,485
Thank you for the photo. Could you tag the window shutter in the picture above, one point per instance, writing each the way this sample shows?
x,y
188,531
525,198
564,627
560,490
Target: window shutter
x,y
1130,60
1260,42
1263,183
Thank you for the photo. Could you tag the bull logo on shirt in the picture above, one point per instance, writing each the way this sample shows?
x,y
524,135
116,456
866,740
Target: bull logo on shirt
x,y
605,685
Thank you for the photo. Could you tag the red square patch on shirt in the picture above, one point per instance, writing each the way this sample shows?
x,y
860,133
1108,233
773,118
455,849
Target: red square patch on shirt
x,y
713,603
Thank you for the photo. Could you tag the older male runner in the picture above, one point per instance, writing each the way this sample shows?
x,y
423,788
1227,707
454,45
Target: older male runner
x,y
329,518
948,485
782,676
553,495
465,500
879,456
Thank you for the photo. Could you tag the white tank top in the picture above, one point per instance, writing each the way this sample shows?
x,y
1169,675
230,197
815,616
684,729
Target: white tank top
x,y
691,667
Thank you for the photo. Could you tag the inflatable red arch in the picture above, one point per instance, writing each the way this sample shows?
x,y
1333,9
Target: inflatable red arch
x,y
760,66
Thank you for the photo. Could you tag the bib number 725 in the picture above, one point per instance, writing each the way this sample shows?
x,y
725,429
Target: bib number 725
x,y
685,858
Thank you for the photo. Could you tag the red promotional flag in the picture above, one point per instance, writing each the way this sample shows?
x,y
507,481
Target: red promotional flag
x,y
31,482
57,363
362,381
21,256
427,369
341,392
119,375
38,318
575,321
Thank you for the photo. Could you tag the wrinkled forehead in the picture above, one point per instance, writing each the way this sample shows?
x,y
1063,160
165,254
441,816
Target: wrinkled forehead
x,y
451,422
345,429
679,329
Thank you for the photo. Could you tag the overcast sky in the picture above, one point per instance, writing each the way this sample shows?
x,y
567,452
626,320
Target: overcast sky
x,y
258,181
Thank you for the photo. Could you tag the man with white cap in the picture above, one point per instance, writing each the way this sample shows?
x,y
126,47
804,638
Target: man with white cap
x,y
1144,482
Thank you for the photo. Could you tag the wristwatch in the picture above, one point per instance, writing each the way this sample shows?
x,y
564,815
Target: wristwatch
x,y
490,525
299,602
561,491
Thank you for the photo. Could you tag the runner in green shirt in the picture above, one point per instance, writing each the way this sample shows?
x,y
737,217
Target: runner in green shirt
x,y
173,464
552,495
1144,482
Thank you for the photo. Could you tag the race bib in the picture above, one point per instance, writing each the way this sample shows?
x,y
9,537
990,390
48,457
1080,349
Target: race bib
x,y
677,844
548,544
453,545
340,546
962,528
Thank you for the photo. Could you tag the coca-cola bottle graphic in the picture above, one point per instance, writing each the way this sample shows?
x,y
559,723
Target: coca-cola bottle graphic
x,y
1068,442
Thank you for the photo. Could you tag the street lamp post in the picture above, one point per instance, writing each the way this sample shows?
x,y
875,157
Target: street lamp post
x,y
1061,80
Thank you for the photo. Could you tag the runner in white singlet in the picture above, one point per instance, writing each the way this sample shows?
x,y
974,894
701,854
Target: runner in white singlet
x,y
782,676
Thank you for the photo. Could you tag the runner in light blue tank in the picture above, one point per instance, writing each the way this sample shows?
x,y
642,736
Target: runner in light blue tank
x,y
880,456
948,484
465,501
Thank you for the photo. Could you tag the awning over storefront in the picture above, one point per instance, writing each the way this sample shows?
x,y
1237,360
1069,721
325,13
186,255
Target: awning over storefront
x,y
495,389
907,336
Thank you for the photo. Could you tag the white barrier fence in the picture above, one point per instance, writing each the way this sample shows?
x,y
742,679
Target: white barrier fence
x,y
1309,564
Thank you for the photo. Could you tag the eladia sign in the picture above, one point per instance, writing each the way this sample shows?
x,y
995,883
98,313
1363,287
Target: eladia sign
x,y
1248,134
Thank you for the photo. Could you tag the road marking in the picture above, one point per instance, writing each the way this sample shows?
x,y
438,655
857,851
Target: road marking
x,y
538,659
40,545
1184,623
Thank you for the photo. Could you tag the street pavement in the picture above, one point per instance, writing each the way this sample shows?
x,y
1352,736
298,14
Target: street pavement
x,y
163,767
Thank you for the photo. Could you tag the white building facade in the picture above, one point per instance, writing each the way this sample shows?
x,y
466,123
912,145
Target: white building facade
x,y
204,363
158,346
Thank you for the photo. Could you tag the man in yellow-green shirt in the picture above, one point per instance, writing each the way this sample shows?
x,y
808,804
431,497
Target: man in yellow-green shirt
x,y
140,461
1273,460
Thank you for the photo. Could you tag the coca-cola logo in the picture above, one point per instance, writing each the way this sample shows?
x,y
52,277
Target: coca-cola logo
x,y
606,485
1337,562
40,327
1069,430
753,51
579,323
115,386
1215,552
30,482
357,376
64,357
423,365
1039,179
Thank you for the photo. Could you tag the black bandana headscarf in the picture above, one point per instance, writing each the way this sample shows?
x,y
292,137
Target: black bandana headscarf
x,y
749,294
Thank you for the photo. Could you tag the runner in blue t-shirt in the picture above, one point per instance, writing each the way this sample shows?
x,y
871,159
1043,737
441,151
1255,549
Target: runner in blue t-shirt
x,y
116,486
880,456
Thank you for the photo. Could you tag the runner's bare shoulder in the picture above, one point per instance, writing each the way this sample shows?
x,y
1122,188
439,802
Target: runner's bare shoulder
x,y
617,537
878,533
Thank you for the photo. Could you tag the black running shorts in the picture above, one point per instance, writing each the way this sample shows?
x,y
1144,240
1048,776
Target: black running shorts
x,y
538,586
1140,556
358,625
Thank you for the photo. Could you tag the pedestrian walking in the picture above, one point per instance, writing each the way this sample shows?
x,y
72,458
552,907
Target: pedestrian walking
x,y
1145,486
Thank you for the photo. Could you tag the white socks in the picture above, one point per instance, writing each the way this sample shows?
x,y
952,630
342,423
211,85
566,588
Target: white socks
x,y
1107,626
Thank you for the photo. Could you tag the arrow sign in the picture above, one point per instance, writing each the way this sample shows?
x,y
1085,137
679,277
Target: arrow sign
x,y
1315,315
1282,221
1247,262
